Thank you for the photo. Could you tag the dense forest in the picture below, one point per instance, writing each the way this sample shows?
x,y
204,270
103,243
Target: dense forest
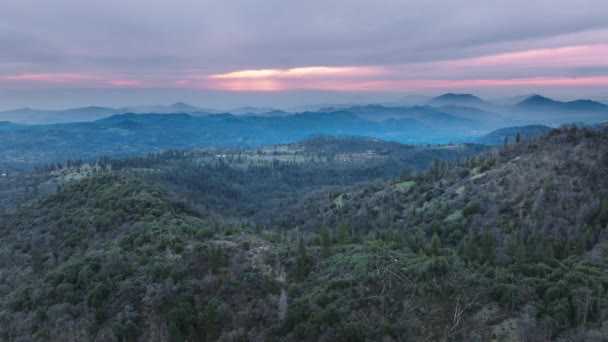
x,y
328,239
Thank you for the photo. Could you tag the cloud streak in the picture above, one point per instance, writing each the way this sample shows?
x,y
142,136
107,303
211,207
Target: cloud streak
x,y
303,72
274,45
548,67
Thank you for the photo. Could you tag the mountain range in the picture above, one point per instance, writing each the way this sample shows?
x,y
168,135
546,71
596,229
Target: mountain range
x,y
533,109
29,137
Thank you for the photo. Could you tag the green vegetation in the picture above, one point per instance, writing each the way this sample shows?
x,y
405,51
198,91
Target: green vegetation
x,y
404,186
457,215
339,201
128,253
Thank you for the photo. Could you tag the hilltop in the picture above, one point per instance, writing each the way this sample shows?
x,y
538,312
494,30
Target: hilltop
x,y
466,100
541,103
498,136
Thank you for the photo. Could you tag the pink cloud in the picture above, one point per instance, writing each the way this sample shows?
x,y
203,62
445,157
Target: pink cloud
x,y
301,72
568,56
71,79
400,85
247,85
539,67
125,83
397,85
182,83
49,77
544,67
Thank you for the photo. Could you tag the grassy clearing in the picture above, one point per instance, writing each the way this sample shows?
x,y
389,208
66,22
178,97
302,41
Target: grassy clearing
x,y
404,186
339,201
457,215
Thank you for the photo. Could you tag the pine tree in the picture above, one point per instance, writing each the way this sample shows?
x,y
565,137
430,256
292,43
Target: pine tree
x,y
435,244
212,319
517,138
549,253
216,259
37,260
602,217
470,250
515,248
325,243
487,247
343,234
301,260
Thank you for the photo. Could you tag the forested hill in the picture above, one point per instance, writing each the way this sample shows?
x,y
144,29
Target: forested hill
x,y
508,245
533,216
557,180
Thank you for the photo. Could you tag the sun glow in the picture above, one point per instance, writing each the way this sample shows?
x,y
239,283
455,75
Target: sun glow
x,y
315,71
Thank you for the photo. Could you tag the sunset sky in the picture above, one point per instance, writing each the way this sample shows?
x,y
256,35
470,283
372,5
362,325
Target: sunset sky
x,y
238,52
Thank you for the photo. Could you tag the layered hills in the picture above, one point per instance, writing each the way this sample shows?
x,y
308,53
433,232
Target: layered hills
x,y
508,244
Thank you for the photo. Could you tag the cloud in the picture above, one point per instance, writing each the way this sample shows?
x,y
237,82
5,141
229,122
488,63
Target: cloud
x,y
278,45
125,83
50,78
302,72
548,67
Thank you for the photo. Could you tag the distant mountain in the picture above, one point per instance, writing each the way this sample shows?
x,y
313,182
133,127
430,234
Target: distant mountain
x,y
533,109
465,100
252,110
126,134
512,100
541,103
276,113
472,113
602,125
92,113
497,137
183,108
35,116
7,125
538,109
178,107
425,115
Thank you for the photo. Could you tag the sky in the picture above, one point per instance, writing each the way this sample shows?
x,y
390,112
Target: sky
x,y
230,53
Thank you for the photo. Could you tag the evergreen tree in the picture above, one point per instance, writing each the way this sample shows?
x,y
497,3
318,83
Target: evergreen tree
x,y
212,319
602,217
37,260
487,247
325,243
301,260
470,250
549,253
216,259
343,234
515,248
435,244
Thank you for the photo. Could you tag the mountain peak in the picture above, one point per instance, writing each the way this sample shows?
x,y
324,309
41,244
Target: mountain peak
x,y
182,106
457,96
537,99
457,99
